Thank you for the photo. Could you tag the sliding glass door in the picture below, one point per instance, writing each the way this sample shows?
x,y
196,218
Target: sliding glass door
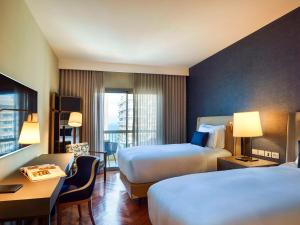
x,y
118,122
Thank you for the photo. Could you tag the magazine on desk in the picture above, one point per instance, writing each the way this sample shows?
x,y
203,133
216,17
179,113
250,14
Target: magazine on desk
x,y
42,172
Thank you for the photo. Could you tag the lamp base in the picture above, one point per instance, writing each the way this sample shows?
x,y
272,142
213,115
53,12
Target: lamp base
x,y
246,158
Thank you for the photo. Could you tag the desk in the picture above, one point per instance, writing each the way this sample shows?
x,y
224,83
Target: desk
x,y
34,199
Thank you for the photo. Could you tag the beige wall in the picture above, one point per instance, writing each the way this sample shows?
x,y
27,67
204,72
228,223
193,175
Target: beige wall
x,y
26,56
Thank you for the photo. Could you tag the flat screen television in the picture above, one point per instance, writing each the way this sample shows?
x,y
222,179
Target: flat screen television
x,y
16,102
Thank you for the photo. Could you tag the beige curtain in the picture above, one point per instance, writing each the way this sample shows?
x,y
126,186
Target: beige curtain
x,y
148,111
88,85
159,109
174,105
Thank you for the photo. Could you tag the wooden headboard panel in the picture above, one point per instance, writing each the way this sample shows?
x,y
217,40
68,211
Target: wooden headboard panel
x,y
221,120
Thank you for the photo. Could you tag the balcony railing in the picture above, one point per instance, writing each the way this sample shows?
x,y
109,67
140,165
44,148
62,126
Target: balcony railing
x,y
125,138
122,137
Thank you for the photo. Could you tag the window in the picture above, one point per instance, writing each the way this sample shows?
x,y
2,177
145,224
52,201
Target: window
x,y
118,122
8,123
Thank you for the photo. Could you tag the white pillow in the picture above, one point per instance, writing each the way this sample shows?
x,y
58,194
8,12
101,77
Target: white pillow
x,y
216,138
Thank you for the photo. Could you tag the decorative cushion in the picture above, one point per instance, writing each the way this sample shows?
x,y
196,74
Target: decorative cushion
x,y
200,138
79,149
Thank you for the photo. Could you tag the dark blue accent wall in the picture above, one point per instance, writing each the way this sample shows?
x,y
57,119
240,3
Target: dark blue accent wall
x,y
260,72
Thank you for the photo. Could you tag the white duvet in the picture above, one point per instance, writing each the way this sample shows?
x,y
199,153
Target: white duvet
x,y
143,164
256,196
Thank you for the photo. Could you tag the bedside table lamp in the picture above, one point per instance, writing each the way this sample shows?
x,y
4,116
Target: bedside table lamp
x,y
246,125
75,120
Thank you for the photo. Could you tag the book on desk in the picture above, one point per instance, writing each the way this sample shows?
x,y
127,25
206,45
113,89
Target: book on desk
x,y
42,172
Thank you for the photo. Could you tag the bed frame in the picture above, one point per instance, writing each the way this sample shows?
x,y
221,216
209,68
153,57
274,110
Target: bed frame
x,y
139,190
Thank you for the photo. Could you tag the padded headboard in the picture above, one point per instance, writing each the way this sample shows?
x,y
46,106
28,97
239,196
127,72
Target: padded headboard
x,y
221,120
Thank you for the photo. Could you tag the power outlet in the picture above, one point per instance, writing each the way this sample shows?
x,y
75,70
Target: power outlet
x,y
268,154
254,151
275,155
261,152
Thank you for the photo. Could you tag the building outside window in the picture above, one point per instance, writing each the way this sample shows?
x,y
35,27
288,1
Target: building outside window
x,y
8,124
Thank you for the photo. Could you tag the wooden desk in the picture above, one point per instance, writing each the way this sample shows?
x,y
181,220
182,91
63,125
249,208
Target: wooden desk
x,y
34,199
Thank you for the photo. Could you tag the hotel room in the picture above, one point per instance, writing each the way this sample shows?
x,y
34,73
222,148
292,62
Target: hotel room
x,y
149,112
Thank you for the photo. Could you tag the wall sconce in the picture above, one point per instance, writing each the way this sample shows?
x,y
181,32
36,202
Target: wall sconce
x,y
30,133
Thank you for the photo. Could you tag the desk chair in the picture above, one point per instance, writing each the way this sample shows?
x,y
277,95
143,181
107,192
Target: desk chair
x,y
83,149
78,189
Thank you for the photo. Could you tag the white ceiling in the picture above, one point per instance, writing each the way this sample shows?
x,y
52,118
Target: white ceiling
x,y
151,32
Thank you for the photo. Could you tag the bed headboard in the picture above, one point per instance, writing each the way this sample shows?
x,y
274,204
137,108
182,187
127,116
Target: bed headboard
x,y
221,120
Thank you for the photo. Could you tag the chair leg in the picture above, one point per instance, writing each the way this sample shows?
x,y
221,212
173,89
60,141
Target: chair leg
x,y
104,170
115,158
58,215
79,211
91,212
108,160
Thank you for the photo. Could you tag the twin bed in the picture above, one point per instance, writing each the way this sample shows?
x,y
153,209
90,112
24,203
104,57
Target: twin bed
x,y
253,196
256,196
142,166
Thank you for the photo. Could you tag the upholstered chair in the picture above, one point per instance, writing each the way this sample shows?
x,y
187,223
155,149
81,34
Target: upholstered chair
x,y
78,189
111,149
83,149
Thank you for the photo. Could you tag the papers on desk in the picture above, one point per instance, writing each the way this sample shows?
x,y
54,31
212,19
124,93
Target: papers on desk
x,y
42,172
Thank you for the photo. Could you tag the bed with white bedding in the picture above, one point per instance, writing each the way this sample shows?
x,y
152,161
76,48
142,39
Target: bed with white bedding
x,y
254,196
144,164
141,166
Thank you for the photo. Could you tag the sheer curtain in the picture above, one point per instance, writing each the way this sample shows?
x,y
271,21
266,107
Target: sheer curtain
x,y
159,109
88,85
148,112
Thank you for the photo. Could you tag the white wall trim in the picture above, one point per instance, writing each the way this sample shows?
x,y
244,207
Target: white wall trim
x,y
66,63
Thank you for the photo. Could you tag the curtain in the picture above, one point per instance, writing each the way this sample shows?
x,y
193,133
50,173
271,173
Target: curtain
x,y
159,109
88,85
174,104
147,110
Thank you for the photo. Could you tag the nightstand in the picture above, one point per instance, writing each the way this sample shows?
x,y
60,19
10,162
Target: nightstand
x,y
228,163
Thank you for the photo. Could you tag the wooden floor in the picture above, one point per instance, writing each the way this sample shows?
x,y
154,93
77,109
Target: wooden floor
x,y
111,206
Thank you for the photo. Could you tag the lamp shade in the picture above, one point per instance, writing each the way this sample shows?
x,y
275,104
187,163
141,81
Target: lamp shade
x,y
75,119
247,124
30,133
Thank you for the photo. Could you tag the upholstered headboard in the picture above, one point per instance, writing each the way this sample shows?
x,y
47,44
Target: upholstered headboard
x,y
221,120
